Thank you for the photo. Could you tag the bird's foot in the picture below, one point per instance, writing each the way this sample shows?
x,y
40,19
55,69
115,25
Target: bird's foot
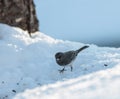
x,y
61,71
71,68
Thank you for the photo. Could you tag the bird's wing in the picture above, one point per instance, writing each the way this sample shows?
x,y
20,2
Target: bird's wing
x,y
68,57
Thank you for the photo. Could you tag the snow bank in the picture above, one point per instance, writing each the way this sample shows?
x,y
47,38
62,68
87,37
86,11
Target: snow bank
x,y
27,66
100,85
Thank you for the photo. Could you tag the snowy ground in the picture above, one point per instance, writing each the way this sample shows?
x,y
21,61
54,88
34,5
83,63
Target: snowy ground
x,y
28,69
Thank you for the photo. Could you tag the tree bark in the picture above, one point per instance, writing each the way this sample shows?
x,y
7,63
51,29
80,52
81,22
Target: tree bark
x,y
19,13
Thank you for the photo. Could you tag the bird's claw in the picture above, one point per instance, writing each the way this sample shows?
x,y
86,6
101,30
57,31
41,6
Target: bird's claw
x,y
61,71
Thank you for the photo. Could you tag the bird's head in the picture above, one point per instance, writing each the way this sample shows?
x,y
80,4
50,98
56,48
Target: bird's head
x,y
58,56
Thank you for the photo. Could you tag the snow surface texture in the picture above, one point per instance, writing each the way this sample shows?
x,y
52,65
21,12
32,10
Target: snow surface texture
x,y
28,69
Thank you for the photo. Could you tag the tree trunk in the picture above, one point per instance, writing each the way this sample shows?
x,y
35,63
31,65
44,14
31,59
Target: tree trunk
x,y
19,13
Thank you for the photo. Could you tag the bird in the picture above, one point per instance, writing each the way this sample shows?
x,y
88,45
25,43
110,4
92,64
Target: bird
x,y
67,58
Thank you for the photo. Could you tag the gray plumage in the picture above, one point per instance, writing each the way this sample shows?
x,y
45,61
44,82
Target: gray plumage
x,y
66,58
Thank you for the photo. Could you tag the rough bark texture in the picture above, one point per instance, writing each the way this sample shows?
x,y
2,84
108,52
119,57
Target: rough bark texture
x,y
19,13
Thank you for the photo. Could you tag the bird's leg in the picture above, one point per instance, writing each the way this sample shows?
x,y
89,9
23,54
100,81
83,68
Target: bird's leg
x,y
61,71
71,68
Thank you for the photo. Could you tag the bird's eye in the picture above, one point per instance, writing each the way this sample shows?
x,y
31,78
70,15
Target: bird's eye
x,y
57,59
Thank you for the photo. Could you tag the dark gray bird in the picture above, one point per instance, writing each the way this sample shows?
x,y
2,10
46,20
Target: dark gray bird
x,y
67,58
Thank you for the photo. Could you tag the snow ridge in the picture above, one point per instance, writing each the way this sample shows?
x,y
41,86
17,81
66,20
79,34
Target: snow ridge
x,y
28,69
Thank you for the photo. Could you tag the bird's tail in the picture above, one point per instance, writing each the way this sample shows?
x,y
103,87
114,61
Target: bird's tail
x,y
82,48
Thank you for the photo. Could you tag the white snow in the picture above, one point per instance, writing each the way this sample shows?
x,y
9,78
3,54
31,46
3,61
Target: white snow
x,y
28,69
